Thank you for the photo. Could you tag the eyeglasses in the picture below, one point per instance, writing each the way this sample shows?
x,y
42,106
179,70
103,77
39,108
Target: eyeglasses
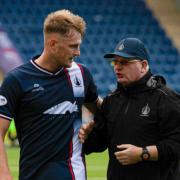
x,y
123,63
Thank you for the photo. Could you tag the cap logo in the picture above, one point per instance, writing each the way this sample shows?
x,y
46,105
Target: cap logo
x,y
121,47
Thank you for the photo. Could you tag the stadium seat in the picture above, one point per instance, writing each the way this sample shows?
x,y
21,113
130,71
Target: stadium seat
x,y
105,27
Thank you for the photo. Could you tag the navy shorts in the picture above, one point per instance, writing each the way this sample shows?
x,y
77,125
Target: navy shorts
x,y
55,171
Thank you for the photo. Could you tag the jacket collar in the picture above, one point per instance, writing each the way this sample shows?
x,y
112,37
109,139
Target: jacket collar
x,y
147,82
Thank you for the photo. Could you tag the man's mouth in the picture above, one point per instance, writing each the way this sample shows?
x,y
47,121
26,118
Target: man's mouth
x,y
71,59
119,75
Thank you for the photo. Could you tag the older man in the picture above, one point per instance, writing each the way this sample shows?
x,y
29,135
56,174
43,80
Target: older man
x,y
139,122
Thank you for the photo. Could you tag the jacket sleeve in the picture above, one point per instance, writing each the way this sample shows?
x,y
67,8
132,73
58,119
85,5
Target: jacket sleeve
x,y
97,139
169,124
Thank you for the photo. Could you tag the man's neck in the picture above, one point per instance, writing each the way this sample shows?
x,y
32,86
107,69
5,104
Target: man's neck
x,y
47,63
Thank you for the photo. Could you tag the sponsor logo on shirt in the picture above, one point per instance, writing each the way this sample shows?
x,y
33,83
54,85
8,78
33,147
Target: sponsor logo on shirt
x,y
63,108
3,100
37,87
145,111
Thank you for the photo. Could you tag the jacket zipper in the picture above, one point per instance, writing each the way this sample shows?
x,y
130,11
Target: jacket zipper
x,y
127,107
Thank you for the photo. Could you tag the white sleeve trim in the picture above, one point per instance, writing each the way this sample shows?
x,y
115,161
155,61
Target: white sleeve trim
x,y
6,117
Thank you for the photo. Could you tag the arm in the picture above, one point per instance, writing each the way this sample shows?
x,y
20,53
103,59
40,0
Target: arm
x,y
96,140
93,106
4,170
10,91
92,101
85,130
93,135
88,111
97,136
169,123
130,154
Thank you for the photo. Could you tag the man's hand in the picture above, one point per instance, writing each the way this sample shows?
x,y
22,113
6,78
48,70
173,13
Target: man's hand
x,y
128,154
85,130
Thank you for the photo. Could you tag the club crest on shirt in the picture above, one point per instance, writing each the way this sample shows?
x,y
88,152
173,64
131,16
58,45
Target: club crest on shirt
x,y
145,111
3,100
77,81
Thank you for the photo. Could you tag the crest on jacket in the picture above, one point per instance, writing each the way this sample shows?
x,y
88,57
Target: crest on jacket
x,y
145,110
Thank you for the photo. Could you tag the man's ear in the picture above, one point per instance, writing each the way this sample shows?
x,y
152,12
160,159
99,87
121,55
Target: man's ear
x,y
52,43
144,66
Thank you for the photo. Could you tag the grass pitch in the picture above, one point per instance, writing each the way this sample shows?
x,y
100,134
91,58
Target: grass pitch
x,y
96,164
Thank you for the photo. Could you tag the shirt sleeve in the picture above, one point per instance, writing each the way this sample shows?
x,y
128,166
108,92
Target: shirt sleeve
x,y
9,97
91,93
169,125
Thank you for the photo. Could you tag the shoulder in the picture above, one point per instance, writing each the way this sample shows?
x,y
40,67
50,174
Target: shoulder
x,y
17,73
20,68
167,98
111,98
158,85
168,93
169,101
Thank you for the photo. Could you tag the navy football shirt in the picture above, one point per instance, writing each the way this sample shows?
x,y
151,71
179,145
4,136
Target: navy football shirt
x,y
46,108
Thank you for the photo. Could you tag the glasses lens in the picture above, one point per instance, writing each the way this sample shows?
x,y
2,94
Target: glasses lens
x,y
116,62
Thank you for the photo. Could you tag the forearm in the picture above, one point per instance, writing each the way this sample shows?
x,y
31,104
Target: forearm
x,y
153,152
130,154
3,159
4,169
92,107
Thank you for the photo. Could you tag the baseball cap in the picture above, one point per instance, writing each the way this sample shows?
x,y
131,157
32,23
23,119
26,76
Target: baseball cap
x,y
130,48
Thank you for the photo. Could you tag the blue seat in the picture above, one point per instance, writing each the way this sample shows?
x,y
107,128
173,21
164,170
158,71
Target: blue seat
x,y
105,27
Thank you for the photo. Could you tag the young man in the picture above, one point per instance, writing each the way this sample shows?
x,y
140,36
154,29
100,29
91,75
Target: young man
x,y
139,123
45,96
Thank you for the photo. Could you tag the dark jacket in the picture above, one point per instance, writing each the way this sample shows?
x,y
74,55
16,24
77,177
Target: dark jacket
x,y
144,113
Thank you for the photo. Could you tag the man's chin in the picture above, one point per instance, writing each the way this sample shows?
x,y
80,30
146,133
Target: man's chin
x,y
69,65
121,81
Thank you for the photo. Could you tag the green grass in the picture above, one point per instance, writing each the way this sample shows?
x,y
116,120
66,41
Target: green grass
x,y
96,164
13,160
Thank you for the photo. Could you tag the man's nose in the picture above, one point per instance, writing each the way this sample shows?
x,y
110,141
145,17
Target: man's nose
x,y
118,66
77,52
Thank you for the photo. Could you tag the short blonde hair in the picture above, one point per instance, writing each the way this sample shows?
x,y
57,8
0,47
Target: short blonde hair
x,y
62,21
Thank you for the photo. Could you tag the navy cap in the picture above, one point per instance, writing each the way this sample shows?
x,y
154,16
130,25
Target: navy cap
x,y
130,48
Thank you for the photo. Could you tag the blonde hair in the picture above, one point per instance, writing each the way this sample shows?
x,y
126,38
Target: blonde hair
x,y
62,21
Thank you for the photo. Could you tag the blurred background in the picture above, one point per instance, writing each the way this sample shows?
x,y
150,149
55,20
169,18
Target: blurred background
x,y
155,22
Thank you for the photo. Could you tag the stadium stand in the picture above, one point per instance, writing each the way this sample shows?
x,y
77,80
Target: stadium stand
x,y
108,21
9,56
